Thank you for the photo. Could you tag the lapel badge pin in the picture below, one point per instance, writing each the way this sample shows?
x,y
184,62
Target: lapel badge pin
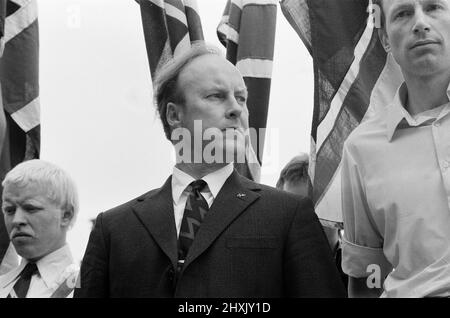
x,y
241,195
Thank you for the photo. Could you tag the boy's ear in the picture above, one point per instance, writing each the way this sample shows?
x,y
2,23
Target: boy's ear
x,y
67,217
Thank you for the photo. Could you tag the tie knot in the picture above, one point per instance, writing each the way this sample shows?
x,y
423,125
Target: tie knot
x,y
29,270
196,186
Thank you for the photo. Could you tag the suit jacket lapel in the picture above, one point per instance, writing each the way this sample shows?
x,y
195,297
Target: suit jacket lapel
x,y
234,197
156,213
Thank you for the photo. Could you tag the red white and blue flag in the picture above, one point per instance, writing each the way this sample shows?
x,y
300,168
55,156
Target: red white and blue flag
x,y
353,78
19,78
170,26
247,30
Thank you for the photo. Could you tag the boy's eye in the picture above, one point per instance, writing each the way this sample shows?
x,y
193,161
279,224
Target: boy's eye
x,y
31,208
9,210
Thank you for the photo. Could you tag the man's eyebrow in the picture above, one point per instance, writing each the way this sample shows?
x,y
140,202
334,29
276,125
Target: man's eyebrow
x,y
214,87
401,6
436,1
242,90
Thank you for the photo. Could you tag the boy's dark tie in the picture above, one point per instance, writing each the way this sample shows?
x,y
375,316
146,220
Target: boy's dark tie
x,y
22,285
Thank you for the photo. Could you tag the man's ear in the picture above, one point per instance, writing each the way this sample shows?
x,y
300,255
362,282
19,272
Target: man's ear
x,y
384,39
174,115
67,216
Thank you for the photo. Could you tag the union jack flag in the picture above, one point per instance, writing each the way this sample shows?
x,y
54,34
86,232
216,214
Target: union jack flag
x,y
354,77
19,75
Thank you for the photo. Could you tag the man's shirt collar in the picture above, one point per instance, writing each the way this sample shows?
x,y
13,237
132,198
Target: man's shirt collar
x,y
53,265
50,267
398,116
215,180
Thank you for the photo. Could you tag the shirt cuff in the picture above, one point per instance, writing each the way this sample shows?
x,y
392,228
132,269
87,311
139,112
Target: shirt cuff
x,y
356,260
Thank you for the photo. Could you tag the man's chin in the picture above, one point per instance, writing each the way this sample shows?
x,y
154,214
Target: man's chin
x,y
27,251
236,155
428,64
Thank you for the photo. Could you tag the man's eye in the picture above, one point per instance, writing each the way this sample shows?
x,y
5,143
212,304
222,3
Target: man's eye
x,y
241,99
402,14
215,96
434,7
9,210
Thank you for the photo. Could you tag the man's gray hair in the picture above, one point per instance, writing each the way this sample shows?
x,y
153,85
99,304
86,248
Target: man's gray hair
x,y
166,79
59,185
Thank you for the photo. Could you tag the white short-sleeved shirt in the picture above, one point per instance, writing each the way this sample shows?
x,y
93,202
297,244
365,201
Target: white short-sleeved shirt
x,y
396,200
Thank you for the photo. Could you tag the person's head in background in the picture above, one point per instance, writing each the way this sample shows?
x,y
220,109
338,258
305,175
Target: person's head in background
x,y
39,204
294,177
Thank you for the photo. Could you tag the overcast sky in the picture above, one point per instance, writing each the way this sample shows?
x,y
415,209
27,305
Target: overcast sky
x,y
98,121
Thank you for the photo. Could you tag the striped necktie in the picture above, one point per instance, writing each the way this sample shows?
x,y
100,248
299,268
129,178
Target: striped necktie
x,y
22,285
194,213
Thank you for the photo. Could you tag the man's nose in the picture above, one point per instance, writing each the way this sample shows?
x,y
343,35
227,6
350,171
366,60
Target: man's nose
x,y
421,24
235,109
19,217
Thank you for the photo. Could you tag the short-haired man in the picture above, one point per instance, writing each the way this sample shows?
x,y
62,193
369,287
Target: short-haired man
x,y
396,165
208,232
294,178
39,205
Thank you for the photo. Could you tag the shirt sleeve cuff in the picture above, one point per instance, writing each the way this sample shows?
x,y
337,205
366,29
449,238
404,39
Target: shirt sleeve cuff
x,y
356,260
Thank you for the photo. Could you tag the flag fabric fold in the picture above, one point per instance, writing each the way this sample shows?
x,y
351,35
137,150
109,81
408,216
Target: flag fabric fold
x,y
19,79
170,26
353,76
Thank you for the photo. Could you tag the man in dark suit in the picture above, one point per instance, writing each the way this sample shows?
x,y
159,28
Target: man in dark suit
x,y
208,231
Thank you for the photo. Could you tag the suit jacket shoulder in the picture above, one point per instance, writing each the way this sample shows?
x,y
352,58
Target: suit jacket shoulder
x,y
287,202
123,210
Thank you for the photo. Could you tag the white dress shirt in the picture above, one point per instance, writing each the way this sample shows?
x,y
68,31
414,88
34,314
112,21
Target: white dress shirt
x,y
53,268
180,181
396,200
10,260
